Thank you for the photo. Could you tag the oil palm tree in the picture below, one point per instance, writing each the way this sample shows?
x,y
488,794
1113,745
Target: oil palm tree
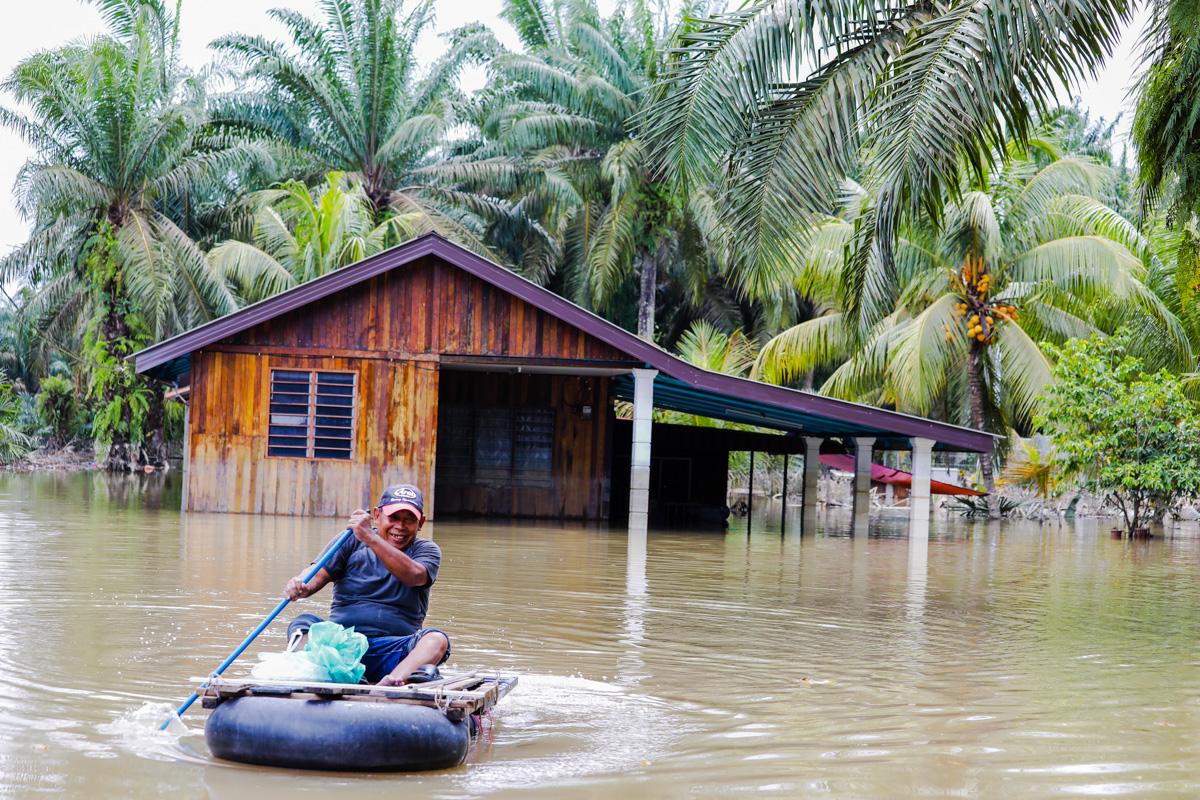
x,y
782,100
953,330
348,96
298,234
119,131
563,110
1164,127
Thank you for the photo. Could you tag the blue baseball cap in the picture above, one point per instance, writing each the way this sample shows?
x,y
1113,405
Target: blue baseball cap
x,y
401,496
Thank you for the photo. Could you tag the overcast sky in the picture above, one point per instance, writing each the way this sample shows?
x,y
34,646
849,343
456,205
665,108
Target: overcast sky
x,y
36,26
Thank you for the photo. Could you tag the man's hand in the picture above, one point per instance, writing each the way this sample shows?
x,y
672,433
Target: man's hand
x,y
360,523
296,589
389,680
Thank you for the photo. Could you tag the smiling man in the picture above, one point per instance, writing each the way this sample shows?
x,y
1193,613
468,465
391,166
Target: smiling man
x,y
381,579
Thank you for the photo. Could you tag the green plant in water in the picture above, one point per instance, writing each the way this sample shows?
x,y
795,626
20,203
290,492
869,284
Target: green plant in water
x,y
1131,436
978,506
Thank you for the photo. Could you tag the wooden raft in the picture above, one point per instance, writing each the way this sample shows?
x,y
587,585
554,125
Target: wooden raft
x,y
456,696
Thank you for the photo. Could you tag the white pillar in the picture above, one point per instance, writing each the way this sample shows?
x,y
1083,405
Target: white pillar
x,y
918,498
812,474
639,461
862,483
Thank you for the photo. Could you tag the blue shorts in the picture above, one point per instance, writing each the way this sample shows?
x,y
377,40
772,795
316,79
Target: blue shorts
x,y
383,652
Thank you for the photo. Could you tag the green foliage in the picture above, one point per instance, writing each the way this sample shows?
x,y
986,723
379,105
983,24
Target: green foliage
x,y
1165,133
1129,435
1030,254
120,135
348,95
124,400
970,506
57,410
777,103
949,328
590,216
300,234
708,348
13,443
175,414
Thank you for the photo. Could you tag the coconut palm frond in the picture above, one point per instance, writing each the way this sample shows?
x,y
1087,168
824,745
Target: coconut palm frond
x,y
817,343
924,351
1027,371
1089,266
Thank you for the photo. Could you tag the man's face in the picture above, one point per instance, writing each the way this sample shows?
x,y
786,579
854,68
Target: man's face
x,y
399,528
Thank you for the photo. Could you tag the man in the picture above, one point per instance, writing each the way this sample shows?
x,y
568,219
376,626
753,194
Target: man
x,y
381,579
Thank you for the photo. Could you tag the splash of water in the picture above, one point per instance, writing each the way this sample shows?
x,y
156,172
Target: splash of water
x,y
138,730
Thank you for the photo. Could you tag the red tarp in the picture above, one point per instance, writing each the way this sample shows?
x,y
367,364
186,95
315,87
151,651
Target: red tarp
x,y
895,477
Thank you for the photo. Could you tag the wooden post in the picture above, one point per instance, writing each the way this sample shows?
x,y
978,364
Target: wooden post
x,y
783,513
187,451
750,498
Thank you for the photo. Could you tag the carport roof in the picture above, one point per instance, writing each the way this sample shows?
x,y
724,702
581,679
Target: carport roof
x,y
680,386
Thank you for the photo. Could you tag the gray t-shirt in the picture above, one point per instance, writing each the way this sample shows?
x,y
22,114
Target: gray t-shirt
x,y
374,600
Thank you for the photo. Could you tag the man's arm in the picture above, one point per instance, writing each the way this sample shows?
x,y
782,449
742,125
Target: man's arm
x,y
403,568
296,588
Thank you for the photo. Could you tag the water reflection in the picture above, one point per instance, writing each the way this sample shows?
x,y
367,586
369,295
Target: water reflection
x,y
918,578
632,669
1001,660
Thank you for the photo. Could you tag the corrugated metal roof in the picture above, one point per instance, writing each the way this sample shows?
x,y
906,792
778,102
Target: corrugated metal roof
x,y
680,385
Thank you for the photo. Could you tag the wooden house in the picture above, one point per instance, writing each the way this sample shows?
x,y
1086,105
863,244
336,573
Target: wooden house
x,y
428,364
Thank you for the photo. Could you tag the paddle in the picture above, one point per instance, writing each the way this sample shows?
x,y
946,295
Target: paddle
x,y
261,626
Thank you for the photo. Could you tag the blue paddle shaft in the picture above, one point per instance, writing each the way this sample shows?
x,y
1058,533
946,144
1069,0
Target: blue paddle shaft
x,y
261,626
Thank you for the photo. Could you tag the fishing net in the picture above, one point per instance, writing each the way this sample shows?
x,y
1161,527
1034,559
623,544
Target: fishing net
x,y
333,654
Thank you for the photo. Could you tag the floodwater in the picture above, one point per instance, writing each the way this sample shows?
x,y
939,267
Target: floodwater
x,y
1013,660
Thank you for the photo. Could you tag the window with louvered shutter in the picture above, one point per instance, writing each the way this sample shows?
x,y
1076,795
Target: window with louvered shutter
x,y
495,447
311,414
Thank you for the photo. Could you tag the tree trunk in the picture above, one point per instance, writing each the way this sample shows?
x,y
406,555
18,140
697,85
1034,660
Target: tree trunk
x,y
645,323
120,340
975,384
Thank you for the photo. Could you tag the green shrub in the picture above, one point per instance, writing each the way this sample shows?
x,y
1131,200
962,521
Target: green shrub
x,y
1129,435
57,411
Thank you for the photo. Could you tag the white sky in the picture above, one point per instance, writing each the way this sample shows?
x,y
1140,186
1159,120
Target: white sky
x,y
29,27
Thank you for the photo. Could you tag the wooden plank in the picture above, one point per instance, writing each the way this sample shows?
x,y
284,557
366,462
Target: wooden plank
x,y
324,352
471,694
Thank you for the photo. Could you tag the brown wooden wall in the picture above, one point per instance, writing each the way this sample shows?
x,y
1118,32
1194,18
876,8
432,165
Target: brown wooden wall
x,y
428,307
393,331
579,487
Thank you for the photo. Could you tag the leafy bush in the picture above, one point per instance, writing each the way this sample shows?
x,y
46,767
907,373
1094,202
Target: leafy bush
x,y
57,410
1131,436
13,443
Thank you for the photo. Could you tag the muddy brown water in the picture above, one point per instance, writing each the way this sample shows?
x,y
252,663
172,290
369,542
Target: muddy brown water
x,y
1012,660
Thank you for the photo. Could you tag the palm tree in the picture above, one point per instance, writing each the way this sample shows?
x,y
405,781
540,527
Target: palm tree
x,y
563,110
13,443
299,235
1164,127
348,97
119,131
1030,255
779,102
